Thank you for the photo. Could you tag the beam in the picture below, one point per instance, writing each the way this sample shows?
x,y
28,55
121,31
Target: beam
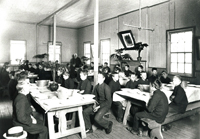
x,y
96,40
59,10
54,37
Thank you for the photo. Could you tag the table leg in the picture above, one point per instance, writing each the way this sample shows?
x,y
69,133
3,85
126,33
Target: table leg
x,y
51,125
127,111
81,122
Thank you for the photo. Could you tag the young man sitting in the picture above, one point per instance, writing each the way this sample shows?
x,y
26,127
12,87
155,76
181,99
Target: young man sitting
x,y
67,81
143,79
117,107
133,82
127,71
154,75
157,108
164,78
103,103
84,85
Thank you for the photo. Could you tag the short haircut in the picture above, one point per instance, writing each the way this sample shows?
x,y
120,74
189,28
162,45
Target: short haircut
x,y
154,69
140,66
85,72
127,65
106,63
92,62
158,84
20,85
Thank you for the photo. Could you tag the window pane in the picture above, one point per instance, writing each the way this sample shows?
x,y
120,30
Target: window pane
x,y
188,68
174,37
188,57
173,67
181,57
174,57
188,46
180,67
174,47
180,46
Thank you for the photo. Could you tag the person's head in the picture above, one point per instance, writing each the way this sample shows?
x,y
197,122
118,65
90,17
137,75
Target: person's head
x,y
105,70
140,68
59,71
29,65
177,80
164,74
34,66
115,76
154,71
40,66
22,76
105,64
65,75
75,55
117,69
133,76
143,75
157,84
101,78
127,67
12,74
100,68
117,65
23,86
83,74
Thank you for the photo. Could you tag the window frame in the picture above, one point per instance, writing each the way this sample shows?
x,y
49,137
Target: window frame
x,y
101,54
168,45
88,42
25,54
57,43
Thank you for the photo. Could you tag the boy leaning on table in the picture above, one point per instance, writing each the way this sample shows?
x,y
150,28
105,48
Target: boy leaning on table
x,y
103,103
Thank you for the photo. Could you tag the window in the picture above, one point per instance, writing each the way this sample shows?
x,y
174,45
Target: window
x,y
105,51
87,51
180,51
17,51
57,55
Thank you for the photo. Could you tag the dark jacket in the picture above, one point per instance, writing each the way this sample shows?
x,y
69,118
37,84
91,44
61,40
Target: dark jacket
x,y
69,83
152,78
158,106
114,86
12,88
140,81
165,80
102,94
86,86
22,111
127,72
180,101
132,85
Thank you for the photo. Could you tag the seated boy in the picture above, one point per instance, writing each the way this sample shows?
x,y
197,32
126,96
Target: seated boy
x,y
84,85
178,98
67,82
143,79
117,106
12,85
132,83
127,71
154,75
103,103
164,78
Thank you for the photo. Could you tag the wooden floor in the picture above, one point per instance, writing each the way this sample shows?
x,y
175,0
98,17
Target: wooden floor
x,y
187,128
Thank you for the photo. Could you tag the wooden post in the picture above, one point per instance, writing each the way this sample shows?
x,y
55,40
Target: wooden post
x,y
54,37
96,40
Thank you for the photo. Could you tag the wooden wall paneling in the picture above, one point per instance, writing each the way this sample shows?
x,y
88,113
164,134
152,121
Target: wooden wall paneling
x,y
171,15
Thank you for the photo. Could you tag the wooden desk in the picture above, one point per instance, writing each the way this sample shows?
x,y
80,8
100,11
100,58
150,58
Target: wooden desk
x,y
54,106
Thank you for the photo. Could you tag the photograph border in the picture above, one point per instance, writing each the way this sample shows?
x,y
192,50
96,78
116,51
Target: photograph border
x,y
121,36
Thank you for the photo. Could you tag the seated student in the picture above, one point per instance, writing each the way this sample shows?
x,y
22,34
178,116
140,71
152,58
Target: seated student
x,y
156,109
143,78
132,83
30,68
154,75
41,72
100,69
117,106
103,103
84,85
107,75
35,68
91,66
164,78
117,68
178,98
127,71
12,85
67,81
59,75
138,70
106,66
23,114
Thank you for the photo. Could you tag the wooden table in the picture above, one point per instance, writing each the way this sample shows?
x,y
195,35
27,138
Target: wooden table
x,y
53,106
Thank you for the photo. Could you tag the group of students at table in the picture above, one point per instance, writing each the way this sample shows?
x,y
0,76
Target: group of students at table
x,y
156,109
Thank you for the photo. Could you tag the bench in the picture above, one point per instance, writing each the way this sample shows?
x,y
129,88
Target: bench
x,y
155,127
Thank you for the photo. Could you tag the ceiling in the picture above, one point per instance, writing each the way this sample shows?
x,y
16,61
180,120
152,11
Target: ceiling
x,y
75,14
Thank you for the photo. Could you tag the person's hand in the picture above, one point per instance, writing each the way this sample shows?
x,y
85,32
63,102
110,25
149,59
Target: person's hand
x,y
34,121
81,92
96,109
171,98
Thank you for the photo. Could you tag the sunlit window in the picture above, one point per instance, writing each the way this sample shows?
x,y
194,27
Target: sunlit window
x,y
87,48
54,54
180,48
105,51
17,51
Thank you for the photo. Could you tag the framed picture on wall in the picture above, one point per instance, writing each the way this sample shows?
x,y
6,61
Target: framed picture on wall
x,y
198,47
126,38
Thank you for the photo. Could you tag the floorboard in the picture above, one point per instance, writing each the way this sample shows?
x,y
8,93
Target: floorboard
x,y
187,128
